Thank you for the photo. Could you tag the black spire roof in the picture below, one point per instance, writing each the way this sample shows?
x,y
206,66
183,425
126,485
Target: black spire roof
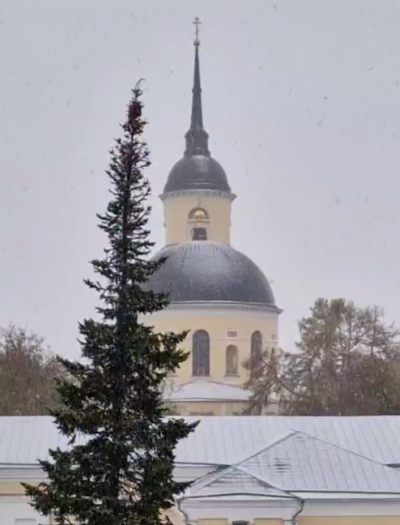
x,y
197,136
197,169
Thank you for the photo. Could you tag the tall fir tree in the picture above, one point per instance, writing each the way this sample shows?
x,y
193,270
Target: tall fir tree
x,y
118,468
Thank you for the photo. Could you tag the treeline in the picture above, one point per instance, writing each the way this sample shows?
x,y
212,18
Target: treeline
x,y
347,363
28,374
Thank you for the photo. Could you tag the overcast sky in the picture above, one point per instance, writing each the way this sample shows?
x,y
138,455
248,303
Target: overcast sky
x,y
302,103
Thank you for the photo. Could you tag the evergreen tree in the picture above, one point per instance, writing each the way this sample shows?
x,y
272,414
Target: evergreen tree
x,y
119,466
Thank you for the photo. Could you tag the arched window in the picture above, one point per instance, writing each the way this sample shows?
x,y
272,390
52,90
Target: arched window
x,y
198,214
256,349
201,353
232,360
198,223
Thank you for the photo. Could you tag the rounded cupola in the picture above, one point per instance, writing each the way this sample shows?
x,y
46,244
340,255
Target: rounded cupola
x,y
210,272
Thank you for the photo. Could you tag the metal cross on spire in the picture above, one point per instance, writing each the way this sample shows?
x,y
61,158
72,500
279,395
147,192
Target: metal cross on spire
x,y
196,137
197,23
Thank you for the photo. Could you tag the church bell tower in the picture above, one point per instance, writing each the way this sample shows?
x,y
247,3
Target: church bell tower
x,y
216,293
197,197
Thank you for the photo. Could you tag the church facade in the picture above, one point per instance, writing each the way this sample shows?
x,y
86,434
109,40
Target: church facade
x,y
216,292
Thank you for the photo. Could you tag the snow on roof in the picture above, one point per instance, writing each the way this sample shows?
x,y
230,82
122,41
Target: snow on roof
x,y
304,462
226,440
203,390
300,462
222,440
233,481
350,496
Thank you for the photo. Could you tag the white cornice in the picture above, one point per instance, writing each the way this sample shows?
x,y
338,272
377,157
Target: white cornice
x,y
205,400
362,507
240,508
34,474
17,498
196,193
18,473
185,473
219,308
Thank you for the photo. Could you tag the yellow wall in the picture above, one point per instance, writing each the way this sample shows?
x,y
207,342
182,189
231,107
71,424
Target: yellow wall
x,y
212,522
176,213
11,488
175,516
350,520
220,408
264,521
267,522
217,325
214,408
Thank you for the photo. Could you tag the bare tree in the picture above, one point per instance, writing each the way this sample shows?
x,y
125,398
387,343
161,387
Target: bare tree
x,y
28,372
347,363
264,373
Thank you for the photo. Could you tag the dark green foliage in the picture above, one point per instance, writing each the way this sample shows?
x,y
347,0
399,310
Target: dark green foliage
x,y
119,467
346,364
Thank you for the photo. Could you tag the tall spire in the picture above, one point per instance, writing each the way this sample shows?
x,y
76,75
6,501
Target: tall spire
x,y
196,137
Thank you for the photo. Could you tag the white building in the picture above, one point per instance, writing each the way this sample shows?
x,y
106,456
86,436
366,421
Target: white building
x,y
262,470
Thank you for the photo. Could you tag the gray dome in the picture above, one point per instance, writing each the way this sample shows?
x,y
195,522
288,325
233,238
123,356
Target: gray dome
x,y
197,172
204,271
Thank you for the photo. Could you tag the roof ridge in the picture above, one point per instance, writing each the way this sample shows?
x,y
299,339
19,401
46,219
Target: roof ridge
x,y
263,480
311,437
228,468
203,482
286,436
217,473
292,433
289,435
240,466
340,447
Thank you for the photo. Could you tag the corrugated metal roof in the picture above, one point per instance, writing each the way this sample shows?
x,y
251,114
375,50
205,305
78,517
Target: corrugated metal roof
x,y
300,462
226,440
306,463
222,440
24,440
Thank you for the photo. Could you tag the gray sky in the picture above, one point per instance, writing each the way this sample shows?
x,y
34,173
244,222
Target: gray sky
x,y
302,103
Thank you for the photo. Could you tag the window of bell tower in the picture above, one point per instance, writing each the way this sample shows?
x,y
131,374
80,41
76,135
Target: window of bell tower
x,y
199,234
198,223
